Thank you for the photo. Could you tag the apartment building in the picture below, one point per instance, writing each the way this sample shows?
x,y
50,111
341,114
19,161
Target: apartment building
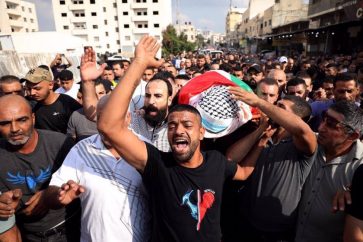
x,y
18,16
113,25
187,29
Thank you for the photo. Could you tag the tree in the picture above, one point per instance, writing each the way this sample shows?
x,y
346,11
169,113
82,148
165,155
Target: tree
x,y
174,44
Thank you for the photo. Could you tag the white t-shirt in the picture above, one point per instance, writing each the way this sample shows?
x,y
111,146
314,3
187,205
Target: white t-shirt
x,y
114,204
72,92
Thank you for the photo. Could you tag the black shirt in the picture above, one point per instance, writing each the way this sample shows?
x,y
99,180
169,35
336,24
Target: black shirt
x,y
185,202
32,172
56,115
356,208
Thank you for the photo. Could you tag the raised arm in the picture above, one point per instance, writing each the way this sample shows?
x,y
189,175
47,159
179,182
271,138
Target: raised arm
x,y
113,122
57,56
70,63
303,137
89,73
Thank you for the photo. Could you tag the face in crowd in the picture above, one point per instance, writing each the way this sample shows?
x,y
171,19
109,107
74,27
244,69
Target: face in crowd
x,y
156,102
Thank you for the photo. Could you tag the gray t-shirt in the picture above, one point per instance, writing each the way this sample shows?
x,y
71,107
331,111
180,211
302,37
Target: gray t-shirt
x,y
316,220
79,127
274,191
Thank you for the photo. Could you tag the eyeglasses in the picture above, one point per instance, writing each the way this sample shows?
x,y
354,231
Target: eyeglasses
x,y
333,123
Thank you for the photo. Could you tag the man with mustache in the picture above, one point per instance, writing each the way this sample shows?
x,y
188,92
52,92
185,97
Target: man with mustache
x,y
29,156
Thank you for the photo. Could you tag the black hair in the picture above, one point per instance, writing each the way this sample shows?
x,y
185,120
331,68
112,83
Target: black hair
x,y
296,81
9,79
45,67
183,77
344,78
186,108
300,106
353,115
108,68
163,79
117,63
164,75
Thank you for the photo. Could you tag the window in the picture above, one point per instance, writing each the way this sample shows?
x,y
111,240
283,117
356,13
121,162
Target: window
x,y
92,1
95,26
105,22
108,45
126,26
26,30
62,2
115,5
31,20
277,1
64,14
106,33
145,13
138,13
12,30
93,14
145,26
265,23
269,22
127,37
96,39
261,26
124,1
117,42
155,12
104,9
23,8
125,13
30,10
116,18
65,27
25,20
155,26
139,26
155,1
116,29
119,50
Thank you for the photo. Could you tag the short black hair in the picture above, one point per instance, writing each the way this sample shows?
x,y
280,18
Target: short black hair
x,y
163,79
9,79
117,63
301,107
108,68
353,115
344,78
186,108
296,81
164,75
106,84
183,77
45,67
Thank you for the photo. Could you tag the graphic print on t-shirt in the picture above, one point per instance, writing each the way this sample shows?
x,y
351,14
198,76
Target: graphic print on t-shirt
x,y
203,202
29,178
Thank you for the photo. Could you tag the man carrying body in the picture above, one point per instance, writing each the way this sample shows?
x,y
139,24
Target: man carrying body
x,y
271,197
185,185
29,158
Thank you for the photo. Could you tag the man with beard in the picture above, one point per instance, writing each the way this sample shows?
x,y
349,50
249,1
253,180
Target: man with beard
x,y
185,185
29,158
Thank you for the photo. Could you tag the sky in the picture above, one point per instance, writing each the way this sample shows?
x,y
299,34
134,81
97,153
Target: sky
x,y
204,14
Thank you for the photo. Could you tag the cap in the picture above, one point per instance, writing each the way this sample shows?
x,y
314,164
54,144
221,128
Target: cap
x,y
255,67
65,75
283,59
37,75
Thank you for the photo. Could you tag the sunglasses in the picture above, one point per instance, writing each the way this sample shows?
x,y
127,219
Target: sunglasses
x,y
333,123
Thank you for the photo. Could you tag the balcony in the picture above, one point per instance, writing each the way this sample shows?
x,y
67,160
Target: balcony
x,y
14,11
79,32
139,5
78,19
136,18
140,31
15,23
76,7
16,2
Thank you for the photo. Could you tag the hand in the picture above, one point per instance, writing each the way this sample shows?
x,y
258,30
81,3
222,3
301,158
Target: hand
x,y
36,206
242,95
319,95
146,50
69,191
88,68
266,135
341,199
9,201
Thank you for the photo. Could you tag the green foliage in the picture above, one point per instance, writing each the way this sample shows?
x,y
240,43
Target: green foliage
x,y
174,44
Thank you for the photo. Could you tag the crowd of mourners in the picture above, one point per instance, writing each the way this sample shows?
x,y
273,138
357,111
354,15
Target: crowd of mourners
x,y
230,147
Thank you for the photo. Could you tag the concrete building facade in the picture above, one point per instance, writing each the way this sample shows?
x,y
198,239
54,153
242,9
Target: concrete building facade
x,y
188,30
114,25
18,16
234,16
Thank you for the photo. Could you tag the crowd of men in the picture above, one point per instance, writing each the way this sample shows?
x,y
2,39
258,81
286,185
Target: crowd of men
x,y
118,157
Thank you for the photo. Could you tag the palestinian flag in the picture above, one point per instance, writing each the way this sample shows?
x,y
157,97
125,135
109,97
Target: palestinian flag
x,y
221,114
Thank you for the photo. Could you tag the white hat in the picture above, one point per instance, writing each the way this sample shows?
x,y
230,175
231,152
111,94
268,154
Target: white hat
x,y
283,59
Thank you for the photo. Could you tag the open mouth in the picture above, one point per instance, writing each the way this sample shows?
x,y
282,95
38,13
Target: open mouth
x,y
180,144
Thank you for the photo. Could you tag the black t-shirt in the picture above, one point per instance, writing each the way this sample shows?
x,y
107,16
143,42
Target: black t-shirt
x,y
56,115
186,202
57,69
356,208
32,172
